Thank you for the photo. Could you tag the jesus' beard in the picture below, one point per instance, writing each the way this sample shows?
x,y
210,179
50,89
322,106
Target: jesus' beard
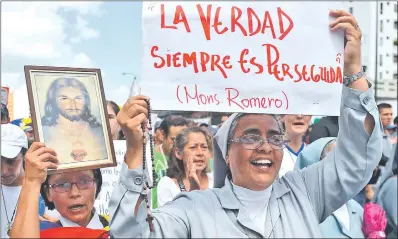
x,y
72,118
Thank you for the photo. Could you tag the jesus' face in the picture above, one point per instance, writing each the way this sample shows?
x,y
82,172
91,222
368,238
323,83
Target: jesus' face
x,y
70,102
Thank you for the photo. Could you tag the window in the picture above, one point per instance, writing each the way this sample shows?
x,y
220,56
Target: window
x,y
391,84
395,58
395,8
388,38
351,10
387,72
381,25
388,3
387,55
395,76
388,20
381,60
381,41
395,25
381,8
381,75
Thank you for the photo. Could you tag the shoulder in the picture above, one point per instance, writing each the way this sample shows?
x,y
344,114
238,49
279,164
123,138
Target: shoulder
x,y
354,205
166,182
47,225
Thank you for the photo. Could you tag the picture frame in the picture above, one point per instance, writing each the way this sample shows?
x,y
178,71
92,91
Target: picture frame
x,y
69,114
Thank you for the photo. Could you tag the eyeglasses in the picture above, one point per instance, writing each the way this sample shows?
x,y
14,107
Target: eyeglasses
x,y
65,187
253,141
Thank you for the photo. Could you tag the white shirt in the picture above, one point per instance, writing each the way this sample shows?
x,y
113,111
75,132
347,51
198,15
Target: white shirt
x,y
168,189
289,160
254,204
10,200
94,223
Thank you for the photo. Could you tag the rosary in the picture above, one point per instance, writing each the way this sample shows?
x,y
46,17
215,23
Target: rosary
x,y
147,187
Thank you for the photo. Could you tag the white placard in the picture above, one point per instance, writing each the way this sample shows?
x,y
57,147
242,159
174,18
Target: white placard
x,y
110,176
260,57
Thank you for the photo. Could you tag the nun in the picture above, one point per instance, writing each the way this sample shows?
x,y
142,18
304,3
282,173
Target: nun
x,y
247,201
345,222
386,194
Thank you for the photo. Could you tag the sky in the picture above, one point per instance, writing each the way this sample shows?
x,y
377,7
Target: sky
x,y
104,35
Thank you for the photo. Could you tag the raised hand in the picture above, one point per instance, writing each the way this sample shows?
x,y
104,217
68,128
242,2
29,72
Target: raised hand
x,y
37,160
131,117
192,176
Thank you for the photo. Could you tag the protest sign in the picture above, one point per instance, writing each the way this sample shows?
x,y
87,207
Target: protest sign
x,y
260,57
110,177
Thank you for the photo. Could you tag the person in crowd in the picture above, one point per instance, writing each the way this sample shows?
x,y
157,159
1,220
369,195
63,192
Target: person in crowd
x,y
14,145
295,128
326,127
72,194
246,200
28,129
345,222
157,136
223,119
113,109
5,116
386,194
385,111
170,127
67,113
187,166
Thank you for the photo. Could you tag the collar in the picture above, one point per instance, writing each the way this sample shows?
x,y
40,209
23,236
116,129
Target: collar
x,y
298,152
94,223
229,201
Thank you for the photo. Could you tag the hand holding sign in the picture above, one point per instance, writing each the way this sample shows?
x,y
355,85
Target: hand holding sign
x,y
352,52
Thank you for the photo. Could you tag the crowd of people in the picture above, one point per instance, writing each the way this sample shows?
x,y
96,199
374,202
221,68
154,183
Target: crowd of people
x,y
251,175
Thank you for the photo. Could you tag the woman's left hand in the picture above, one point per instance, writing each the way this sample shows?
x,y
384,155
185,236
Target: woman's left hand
x,y
352,52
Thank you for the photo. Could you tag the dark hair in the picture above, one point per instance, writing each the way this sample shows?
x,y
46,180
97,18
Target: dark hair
x,y
116,109
384,106
4,112
45,187
51,109
172,120
395,120
176,166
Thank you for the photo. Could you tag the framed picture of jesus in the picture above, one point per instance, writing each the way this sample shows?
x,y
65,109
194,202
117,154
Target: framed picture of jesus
x,y
69,115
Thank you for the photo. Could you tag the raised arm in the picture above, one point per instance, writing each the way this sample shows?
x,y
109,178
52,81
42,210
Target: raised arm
x,y
37,160
348,167
127,208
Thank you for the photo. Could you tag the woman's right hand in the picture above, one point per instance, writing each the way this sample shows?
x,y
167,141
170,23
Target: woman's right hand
x,y
38,159
133,114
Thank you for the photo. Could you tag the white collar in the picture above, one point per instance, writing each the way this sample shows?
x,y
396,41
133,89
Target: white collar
x,y
94,223
343,216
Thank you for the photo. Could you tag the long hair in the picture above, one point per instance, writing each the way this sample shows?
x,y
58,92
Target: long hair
x,y
51,111
116,109
176,166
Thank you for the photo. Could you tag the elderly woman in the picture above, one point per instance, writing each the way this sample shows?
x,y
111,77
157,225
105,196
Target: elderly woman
x,y
345,222
188,165
247,200
71,194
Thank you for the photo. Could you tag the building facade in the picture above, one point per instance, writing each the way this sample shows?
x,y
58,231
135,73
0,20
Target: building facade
x,y
378,23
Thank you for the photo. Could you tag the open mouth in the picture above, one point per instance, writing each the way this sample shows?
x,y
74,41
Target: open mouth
x,y
76,207
298,124
262,163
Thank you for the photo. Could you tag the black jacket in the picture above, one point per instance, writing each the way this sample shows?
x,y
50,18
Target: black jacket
x,y
326,127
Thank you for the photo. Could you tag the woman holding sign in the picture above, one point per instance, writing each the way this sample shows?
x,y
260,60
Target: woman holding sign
x,y
248,150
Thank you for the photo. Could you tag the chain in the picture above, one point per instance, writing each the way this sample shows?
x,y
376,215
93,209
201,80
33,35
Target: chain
x,y
148,187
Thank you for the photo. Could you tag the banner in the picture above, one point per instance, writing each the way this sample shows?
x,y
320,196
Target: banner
x,y
260,57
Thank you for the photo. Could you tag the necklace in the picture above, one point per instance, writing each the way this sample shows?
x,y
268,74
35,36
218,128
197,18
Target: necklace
x,y
147,187
13,214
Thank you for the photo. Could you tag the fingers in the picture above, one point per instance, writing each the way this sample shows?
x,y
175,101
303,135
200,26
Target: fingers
x,y
339,12
344,19
48,157
139,99
343,26
35,146
49,165
135,110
